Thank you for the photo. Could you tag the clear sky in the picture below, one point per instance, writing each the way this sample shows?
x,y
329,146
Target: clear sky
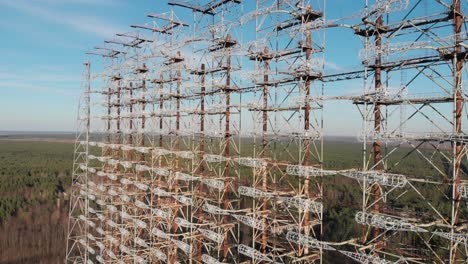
x,y
42,49
43,44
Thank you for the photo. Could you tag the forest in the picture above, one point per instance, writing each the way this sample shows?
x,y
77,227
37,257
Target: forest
x,y
35,177
33,213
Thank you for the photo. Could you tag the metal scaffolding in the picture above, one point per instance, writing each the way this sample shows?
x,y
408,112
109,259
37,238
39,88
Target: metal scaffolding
x,y
413,60
202,141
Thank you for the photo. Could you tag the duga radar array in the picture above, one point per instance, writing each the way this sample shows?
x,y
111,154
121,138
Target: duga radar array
x,y
200,136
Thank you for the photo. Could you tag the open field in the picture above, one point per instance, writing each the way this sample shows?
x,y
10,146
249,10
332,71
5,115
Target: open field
x,y
66,137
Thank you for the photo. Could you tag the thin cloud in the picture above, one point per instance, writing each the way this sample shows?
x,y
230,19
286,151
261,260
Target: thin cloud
x,y
84,2
333,66
44,75
43,82
42,88
80,23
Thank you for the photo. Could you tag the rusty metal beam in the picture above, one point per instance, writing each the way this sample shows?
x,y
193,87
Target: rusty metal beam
x,y
377,155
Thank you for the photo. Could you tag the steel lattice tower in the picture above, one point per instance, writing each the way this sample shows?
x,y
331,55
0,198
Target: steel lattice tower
x,y
202,140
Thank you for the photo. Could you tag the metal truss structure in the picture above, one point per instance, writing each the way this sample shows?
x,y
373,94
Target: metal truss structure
x,y
202,141
413,99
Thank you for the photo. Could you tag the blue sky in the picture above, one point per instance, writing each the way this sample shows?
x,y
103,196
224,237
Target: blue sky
x,y
43,44
42,50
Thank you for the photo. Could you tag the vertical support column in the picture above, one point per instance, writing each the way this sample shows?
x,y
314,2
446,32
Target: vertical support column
x,y
458,62
174,256
266,66
88,126
378,86
202,117
130,136
307,142
177,143
118,139
143,120
107,151
377,155
307,107
79,204
88,102
161,106
227,138
201,169
119,90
